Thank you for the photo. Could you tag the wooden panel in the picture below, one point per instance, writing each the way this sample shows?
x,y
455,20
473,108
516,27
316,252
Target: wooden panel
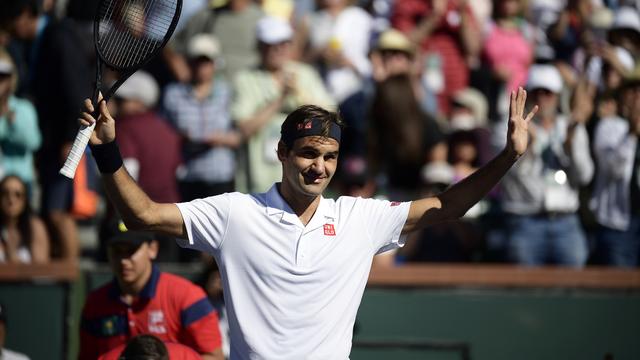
x,y
55,271
504,276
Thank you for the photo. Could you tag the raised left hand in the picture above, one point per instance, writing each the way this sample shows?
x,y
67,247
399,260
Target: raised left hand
x,y
518,128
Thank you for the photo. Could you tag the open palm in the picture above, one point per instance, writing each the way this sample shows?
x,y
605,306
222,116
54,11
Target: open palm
x,y
518,128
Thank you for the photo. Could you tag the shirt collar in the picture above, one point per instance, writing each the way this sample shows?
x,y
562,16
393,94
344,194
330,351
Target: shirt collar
x,y
149,290
276,205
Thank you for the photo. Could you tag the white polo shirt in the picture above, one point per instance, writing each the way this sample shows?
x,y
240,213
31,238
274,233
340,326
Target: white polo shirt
x,y
292,291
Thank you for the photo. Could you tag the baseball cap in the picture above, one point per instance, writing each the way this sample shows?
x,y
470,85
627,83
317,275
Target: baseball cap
x,y
140,86
203,45
6,67
632,79
625,58
544,76
626,18
131,238
272,30
439,172
395,40
473,100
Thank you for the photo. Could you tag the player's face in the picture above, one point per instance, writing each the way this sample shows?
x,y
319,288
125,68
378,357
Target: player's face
x,y
130,264
310,165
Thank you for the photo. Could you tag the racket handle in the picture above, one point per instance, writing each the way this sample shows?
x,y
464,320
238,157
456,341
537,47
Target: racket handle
x,y
77,150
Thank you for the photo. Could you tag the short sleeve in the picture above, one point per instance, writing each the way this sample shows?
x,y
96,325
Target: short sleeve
x,y
384,221
206,222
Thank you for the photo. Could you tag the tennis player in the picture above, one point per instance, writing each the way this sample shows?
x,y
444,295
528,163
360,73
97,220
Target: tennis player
x,y
294,264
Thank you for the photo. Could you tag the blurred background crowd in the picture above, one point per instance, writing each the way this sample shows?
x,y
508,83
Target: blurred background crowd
x,y
423,86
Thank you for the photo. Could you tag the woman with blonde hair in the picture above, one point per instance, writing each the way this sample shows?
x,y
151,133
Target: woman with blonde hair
x,y
19,133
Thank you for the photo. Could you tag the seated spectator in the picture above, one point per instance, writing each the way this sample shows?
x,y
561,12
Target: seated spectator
x,y
143,300
540,192
149,347
265,95
19,133
200,112
24,237
6,354
616,197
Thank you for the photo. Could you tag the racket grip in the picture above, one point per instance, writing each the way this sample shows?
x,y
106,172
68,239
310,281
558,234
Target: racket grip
x,y
77,150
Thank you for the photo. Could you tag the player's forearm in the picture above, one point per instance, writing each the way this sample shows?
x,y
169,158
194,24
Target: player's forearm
x,y
458,199
132,203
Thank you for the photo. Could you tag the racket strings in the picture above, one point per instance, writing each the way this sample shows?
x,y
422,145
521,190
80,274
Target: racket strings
x,y
129,31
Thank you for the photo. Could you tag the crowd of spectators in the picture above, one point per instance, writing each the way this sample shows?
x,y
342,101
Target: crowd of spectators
x,y
422,86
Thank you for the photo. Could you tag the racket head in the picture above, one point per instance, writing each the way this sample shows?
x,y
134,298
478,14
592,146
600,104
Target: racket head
x,y
129,33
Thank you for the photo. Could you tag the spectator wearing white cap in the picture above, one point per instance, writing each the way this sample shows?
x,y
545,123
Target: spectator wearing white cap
x,y
19,132
264,95
540,193
200,111
625,31
149,146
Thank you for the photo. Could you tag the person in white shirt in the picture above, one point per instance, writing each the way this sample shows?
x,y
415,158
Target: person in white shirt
x,y
540,195
294,264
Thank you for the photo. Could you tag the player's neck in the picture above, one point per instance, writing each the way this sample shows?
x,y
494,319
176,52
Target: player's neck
x,y
303,206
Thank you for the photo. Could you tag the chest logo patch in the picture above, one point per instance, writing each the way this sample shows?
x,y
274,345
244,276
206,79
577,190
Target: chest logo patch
x,y
329,230
156,322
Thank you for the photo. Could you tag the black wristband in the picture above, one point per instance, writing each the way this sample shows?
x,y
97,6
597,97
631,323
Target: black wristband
x,y
107,157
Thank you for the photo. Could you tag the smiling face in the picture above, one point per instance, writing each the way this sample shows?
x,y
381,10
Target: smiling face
x,y
309,165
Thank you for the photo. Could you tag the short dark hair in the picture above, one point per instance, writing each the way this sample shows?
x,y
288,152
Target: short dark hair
x,y
145,347
11,9
306,112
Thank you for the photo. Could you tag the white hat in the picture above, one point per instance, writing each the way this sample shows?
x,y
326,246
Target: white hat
x,y
6,67
475,101
272,30
204,45
140,86
625,58
626,18
544,76
439,172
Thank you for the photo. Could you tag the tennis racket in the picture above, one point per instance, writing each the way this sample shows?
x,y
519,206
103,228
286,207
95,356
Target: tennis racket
x,y
126,35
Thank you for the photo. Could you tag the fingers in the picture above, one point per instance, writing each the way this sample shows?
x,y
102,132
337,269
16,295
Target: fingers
x,y
512,105
86,119
88,105
532,113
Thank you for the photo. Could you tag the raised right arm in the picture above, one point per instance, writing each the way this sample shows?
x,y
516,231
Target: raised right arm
x,y
137,210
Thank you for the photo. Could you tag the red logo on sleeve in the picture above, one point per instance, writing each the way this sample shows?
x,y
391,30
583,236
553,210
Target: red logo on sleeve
x,y
329,230
395,203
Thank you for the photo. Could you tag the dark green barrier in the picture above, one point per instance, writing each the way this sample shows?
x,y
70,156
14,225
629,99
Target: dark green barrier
x,y
36,323
501,324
